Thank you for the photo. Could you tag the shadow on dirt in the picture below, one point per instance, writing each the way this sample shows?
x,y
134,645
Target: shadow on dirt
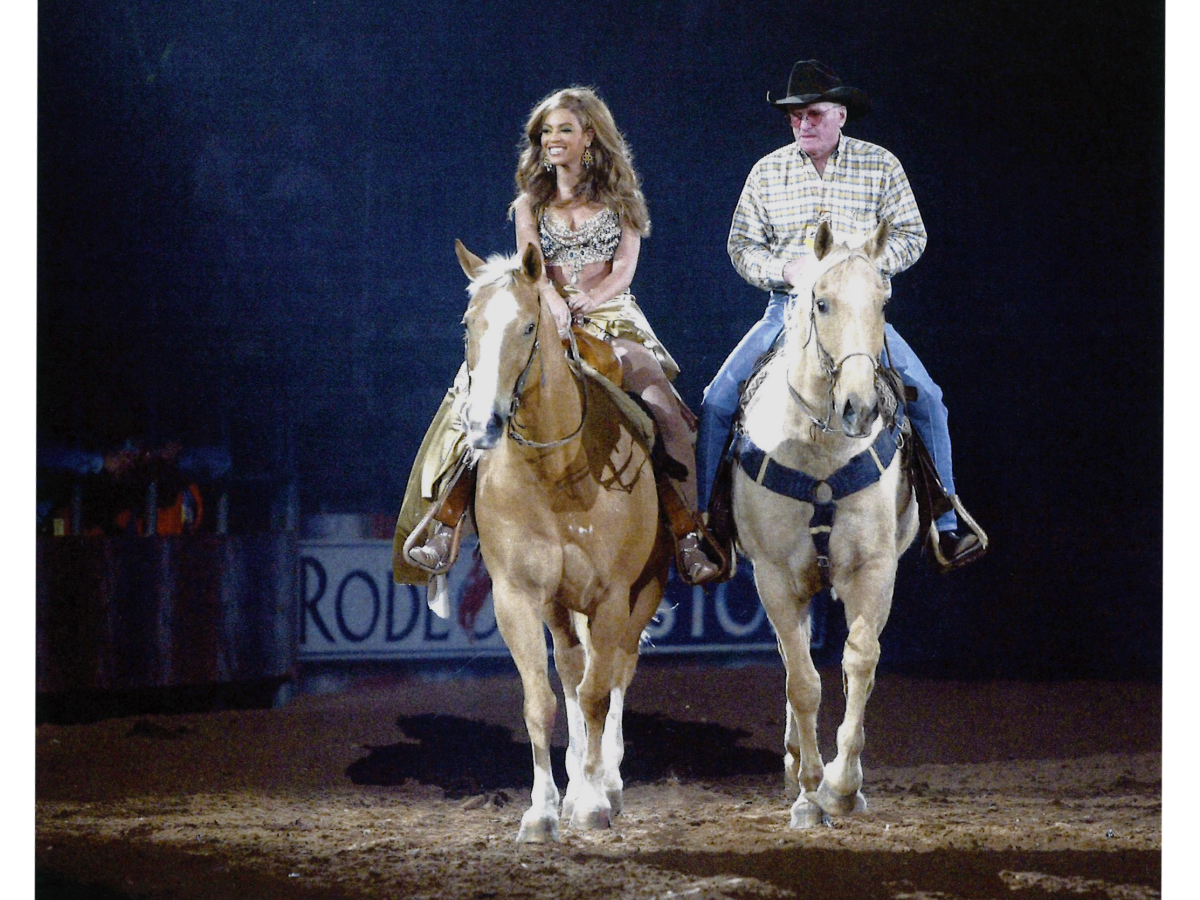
x,y
852,875
466,757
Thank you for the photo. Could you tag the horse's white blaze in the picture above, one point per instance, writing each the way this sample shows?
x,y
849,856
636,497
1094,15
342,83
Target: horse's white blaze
x,y
858,372
501,310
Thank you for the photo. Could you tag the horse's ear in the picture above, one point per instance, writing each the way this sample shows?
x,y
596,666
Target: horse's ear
x,y
531,262
469,261
877,242
823,242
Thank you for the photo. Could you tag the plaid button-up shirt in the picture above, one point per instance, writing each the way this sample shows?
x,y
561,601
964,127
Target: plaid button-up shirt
x,y
784,199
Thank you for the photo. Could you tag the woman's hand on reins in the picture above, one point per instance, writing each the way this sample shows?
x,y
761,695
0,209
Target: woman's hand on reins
x,y
560,311
581,303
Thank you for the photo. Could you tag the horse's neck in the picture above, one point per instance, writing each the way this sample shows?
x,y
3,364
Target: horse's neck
x,y
780,425
805,374
550,406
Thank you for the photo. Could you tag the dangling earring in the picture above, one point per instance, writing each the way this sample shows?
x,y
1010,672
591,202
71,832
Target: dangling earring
x,y
588,159
546,164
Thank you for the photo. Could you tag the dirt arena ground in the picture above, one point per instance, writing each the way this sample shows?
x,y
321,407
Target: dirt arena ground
x,y
408,786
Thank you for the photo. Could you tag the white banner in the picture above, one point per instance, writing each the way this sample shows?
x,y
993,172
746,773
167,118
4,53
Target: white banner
x,y
351,609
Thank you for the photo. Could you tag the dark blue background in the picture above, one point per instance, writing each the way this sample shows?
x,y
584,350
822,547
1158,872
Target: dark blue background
x,y
247,214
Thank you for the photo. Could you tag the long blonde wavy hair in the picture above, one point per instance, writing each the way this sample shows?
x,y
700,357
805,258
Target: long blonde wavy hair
x,y
610,180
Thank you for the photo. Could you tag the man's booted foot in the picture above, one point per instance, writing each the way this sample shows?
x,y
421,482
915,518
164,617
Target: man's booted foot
x,y
954,550
699,568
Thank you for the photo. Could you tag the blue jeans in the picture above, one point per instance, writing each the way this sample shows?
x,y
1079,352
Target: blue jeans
x,y
720,402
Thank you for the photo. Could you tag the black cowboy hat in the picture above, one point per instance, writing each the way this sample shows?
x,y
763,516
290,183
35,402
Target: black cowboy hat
x,y
814,82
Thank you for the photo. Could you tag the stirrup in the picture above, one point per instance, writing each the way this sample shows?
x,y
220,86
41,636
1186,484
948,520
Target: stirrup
x,y
434,554
697,567
940,562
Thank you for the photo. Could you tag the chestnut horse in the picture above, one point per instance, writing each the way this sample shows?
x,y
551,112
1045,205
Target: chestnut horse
x,y
569,527
821,498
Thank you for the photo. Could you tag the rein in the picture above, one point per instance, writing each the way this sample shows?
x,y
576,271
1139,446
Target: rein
x,y
519,389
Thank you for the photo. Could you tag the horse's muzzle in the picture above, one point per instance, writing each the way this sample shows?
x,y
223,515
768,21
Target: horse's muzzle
x,y
488,435
858,416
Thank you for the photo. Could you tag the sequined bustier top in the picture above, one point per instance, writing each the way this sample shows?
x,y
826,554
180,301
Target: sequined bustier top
x,y
595,241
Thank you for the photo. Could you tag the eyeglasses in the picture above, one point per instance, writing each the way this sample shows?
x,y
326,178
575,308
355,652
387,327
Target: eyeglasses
x,y
797,115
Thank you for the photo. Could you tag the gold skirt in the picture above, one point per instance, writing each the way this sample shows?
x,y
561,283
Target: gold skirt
x,y
621,317
445,439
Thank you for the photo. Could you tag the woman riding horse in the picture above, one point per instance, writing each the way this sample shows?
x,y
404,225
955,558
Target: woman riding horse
x,y
579,200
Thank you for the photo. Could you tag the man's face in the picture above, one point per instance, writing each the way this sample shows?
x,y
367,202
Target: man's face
x,y
817,127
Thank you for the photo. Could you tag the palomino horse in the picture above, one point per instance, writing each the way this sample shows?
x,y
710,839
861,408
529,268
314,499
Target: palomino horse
x,y
568,522
820,498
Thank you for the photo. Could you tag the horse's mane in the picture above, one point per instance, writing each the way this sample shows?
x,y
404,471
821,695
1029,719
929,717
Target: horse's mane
x,y
498,270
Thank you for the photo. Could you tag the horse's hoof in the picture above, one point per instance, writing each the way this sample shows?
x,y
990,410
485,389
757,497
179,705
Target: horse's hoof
x,y
616,799
537,829
839,804
807,814
593,820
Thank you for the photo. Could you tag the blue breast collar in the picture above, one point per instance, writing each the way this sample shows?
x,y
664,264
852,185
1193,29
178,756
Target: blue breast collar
x,y
861,472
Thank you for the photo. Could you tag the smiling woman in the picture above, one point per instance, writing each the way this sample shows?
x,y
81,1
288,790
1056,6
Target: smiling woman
x,y
563,140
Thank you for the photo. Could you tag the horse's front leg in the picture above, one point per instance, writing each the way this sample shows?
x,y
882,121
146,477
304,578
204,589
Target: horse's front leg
x,y
570,658
597,692
867,603
613,744
802,766
520,624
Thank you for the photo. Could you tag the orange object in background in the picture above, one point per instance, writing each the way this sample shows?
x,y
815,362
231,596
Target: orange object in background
x,y
184,515
181,517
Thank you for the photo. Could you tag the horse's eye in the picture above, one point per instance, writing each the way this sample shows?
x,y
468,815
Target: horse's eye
x,y
822,306
529,328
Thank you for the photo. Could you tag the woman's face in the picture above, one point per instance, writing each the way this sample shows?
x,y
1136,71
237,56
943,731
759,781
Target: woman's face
x,y
564,138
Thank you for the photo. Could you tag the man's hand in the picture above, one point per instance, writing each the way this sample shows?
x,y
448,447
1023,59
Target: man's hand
x,y
793,272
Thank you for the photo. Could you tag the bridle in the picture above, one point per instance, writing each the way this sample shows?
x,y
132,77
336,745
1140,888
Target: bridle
x,y
831,370
574,364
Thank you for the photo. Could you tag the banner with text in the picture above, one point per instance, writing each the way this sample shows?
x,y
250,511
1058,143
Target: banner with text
x,y
351,609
